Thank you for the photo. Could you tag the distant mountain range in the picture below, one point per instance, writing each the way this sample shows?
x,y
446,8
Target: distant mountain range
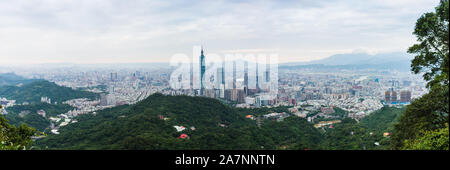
x,y
399,61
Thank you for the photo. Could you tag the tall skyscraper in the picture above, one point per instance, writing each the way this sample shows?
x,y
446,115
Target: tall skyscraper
x,y
257,79
113,77
202,73
220,77
191,77
246,77
234,74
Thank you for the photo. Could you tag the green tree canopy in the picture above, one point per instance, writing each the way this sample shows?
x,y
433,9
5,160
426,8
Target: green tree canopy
x,y
431,140
430,112
13,138
432,48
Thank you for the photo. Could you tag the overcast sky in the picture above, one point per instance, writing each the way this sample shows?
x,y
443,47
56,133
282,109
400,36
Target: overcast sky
x,y
105,31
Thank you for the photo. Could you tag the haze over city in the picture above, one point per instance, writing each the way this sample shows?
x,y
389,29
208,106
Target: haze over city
x,y
224,83
87,32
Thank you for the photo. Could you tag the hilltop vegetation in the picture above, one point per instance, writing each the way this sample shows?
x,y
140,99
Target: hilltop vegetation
x,y
351,135
28,114
424,124
11,79
149,125
383,120
22,90
14,138
33,91
217,126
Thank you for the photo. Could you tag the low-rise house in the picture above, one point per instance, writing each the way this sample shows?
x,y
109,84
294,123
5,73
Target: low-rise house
x,y
179,128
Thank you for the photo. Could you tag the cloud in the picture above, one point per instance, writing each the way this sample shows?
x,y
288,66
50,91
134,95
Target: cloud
x,y
144,30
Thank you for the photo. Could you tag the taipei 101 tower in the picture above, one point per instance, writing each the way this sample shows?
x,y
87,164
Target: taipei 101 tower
x,y
202,73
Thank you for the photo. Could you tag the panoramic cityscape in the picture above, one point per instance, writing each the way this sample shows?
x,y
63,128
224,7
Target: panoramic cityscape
x,y
309,93
241,84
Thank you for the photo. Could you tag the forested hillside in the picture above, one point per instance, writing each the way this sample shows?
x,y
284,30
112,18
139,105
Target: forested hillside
x,y
28,114
30,91
150,125
33,91
368,133
11,79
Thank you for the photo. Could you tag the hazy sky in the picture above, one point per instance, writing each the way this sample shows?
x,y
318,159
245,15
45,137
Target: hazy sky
x,y
99,31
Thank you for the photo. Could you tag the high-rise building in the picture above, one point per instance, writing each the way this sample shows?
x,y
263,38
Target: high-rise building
x,y
228,94
267,73
234,74
387,96
220,83
394,96
390,96
202,73
292,101
234,95
240,96
405,96
113,76
220,77
246,77
395,83
257,78
103,100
